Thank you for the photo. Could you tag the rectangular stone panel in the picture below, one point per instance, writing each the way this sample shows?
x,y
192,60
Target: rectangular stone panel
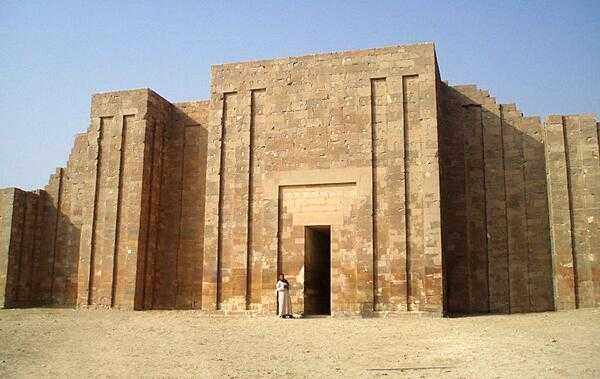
x,y
27,248
515,210
379,129
582,170
189,276
103,238
255,237
455,249
148,218
476,209
233,211
495,196
414,183
90,179
11,212
564,275
50,199
538,230
155,279
124,266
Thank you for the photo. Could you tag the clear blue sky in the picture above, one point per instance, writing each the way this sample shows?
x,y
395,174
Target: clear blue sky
x,y
543,55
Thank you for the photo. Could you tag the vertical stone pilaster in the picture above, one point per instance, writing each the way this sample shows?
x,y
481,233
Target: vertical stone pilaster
x,y
564,274
495,193
516,210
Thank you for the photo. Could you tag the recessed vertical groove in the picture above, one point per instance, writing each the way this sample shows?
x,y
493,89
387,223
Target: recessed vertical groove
x,y
157,236
505,201
34,235
407,189
279,230
467,186
95,213
118,215
405,141
250,229
181,189
571,215
149,217
374,184
55,231
220,200
527,228
20,251
485,215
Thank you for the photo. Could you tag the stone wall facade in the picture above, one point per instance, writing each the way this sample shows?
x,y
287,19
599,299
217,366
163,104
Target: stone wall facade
x,y
325,140
495,206
433,198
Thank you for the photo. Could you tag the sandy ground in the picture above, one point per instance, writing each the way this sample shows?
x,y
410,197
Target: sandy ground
x,y
82,343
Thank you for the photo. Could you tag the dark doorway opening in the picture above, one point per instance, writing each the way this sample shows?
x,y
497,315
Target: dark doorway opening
x,y
317,270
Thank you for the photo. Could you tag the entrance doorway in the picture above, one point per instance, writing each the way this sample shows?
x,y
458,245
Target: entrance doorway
x,y
317,270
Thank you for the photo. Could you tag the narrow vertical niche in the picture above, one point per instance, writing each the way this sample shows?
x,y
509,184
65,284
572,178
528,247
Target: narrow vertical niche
x,y
20,252
122,197
476,230
159,151
227,98
256,104
191,215
99,199
569,166
506,199
279,229
410,107
485,252
378,118
146,274
54,227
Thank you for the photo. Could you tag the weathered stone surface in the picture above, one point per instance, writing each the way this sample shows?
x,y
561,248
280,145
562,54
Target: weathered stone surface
x,y
497,239
574,186
431,198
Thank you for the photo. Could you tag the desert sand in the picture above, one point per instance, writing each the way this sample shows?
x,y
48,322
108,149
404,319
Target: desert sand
x,y
83,343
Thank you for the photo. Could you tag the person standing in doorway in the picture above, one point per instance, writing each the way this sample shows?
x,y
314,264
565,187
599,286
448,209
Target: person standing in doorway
x,y
284,303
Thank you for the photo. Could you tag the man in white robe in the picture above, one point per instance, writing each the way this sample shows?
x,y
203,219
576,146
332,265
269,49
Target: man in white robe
x,y
284,303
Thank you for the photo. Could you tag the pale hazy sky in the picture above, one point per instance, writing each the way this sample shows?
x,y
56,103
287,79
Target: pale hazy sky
x,y
542,55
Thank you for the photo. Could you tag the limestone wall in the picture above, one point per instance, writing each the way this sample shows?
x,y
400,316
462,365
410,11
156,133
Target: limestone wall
x,y
499,171
345,139
122,224
29,276
496,232
174,261
438,199
11,230
78,241
573,178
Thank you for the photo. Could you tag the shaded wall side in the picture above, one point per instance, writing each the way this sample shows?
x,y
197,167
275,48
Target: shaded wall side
x,y
155,272
496,231
151,158
453,196
22,221
181,231
45,250
7,275
66,220
26,248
